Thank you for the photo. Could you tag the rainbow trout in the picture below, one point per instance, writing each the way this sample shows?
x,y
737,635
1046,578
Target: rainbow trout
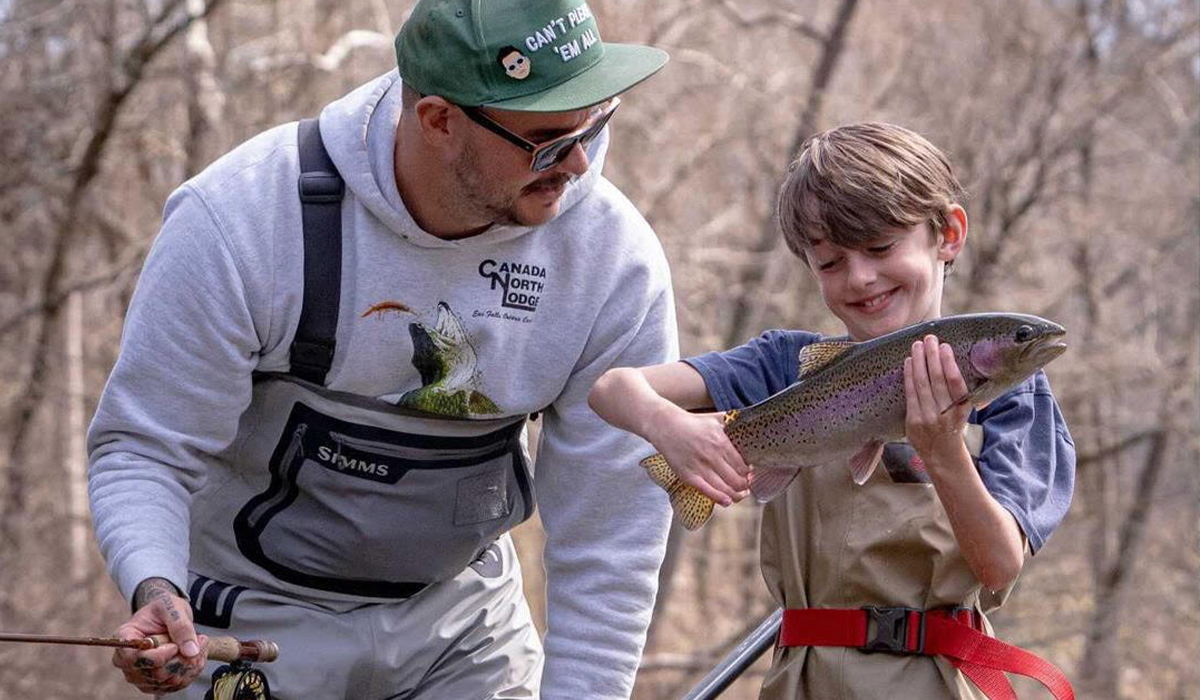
x,y
849,401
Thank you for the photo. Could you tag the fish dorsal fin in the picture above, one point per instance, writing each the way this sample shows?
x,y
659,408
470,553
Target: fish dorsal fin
x,y
814,357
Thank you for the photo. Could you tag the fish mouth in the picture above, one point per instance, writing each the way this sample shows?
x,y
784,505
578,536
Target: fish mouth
x,y
1046,348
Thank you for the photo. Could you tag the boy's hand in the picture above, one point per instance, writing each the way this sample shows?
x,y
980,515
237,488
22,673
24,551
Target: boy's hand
x,y
932,382
699,451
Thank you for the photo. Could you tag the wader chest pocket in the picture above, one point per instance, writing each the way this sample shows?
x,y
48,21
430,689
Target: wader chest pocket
x,y
482,498
370,511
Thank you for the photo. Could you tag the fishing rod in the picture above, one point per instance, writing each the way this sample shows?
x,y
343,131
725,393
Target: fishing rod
x,y
737,661
225,649
235,681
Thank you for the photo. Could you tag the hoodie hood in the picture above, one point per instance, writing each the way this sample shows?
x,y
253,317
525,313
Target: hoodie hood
x,y
359,131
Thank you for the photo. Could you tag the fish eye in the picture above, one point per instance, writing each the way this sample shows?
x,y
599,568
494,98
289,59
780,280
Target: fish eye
x,y
1024,334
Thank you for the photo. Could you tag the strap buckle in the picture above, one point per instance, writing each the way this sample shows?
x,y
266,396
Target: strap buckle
x,y
310,358
321,188
891,627
965,616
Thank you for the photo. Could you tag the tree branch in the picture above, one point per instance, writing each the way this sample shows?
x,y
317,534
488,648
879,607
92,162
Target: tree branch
x,y
789,20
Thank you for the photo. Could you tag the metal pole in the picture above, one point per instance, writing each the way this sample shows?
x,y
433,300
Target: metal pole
x,y
737,661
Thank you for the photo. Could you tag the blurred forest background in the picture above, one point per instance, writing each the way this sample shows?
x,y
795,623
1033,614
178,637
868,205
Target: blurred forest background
x,y
1075,124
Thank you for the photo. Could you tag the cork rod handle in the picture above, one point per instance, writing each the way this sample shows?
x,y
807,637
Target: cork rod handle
x,y
229,649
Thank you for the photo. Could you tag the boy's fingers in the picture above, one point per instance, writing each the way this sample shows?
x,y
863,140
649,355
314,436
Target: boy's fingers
x,y
912,403
954,378
920,375
701,484
734,478
937,378
735,460
724,491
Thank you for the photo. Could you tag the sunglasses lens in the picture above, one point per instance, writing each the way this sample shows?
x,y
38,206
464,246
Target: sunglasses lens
x,y
555,152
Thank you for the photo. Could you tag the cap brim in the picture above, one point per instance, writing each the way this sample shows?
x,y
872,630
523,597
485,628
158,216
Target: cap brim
x,y
623,66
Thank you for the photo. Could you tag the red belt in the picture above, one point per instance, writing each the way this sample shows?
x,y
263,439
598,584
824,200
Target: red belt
x,y
955,634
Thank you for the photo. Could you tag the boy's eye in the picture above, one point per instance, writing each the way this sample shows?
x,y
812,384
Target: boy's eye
x,y
878,249
827,265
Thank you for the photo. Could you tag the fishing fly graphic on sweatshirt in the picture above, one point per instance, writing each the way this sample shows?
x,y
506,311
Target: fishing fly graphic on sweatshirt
x,y
445,358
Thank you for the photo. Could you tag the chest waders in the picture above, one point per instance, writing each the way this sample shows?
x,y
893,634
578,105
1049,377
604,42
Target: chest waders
x,y
337,498
879,599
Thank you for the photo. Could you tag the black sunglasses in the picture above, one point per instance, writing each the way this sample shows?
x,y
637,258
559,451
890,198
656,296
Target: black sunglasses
x,y
547,154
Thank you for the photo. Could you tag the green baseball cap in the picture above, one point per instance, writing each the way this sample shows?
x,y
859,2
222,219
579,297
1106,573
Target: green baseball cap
x,y
522,55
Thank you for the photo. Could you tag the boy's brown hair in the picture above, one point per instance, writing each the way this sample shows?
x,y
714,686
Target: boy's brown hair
x,y
852,183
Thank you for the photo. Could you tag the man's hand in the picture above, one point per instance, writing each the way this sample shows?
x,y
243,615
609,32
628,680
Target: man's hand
x,y
170,667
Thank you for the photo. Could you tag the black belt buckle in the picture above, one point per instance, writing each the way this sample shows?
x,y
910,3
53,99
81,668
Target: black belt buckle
x,y
891,630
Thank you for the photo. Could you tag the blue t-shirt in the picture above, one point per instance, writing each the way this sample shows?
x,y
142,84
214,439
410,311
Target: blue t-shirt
x,y
1027,462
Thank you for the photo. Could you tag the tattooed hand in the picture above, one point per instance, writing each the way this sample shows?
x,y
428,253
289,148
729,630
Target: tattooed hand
x,y
171,667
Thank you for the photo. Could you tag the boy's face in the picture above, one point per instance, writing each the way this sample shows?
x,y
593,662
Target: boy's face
x,y
893,282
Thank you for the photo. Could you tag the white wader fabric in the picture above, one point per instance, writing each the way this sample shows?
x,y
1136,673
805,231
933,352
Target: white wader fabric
x,y
470,637
827,543
369,542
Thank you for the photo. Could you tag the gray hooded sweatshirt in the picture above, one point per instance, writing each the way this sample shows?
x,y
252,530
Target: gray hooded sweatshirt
x,y
527,319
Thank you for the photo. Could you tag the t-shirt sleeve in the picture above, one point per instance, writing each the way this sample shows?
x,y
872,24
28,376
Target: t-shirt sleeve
x,y
754,371
1028,458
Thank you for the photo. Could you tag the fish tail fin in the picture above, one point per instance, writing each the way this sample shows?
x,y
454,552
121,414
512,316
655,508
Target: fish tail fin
x,y
691,507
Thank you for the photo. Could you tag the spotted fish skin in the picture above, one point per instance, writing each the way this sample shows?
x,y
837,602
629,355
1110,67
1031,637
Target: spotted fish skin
x,y
849,400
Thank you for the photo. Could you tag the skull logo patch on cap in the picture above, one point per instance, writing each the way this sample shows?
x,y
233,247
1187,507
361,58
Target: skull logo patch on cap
x,y
516,64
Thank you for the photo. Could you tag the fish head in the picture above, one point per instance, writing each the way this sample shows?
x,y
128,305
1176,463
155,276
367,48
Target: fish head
x,y
1009,348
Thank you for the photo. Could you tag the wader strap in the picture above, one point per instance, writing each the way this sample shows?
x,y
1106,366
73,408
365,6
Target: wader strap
x,y
321,190
955,634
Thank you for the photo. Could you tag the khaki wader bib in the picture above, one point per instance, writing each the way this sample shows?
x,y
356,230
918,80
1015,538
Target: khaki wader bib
x,y
827,543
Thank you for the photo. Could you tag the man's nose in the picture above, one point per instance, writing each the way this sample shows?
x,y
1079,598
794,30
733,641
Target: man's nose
x,y
576,162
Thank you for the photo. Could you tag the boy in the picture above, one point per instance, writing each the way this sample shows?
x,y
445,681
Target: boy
x,y
874,211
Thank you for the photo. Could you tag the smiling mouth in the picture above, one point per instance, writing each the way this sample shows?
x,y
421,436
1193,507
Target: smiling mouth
x,y
875,302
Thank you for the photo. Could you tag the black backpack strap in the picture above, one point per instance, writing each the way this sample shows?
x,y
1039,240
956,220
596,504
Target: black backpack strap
x,y
321,190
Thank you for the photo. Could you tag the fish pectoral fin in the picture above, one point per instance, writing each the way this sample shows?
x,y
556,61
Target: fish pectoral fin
x,y
691,507
971,396
863,463
768,482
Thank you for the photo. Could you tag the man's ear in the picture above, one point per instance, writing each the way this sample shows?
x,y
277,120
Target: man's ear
x,y
953,235
435,115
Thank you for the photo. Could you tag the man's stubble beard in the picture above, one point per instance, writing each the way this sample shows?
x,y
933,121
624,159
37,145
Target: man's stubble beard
x,y
478,200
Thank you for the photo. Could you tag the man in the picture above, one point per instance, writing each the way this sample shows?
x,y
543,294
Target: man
x,y
323,445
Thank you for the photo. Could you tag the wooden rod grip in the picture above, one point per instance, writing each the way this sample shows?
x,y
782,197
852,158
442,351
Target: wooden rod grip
x,y
229,649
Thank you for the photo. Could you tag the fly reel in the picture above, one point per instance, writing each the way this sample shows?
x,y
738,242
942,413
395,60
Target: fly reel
x,y
238,681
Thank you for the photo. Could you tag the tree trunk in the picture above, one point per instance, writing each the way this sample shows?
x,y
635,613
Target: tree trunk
x,y
75,439
748,311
